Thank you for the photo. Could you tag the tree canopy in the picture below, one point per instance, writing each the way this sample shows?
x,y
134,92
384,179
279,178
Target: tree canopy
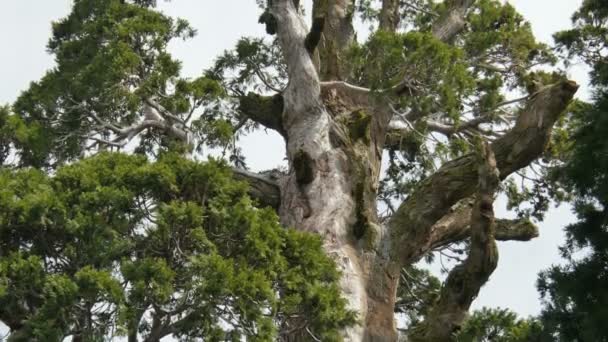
x,y
115,245
575,299
109,227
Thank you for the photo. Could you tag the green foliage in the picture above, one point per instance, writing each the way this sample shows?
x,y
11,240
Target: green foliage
x,y
575,299
499,325
588,39
498,35
436,70
111,57
417,293
6,134
451,84
116,245
574,296
254,64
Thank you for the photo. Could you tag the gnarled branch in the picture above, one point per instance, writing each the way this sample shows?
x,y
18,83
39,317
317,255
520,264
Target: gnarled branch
x,y
456,226
466,279
410,227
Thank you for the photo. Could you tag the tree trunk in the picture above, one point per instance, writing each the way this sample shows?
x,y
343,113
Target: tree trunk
x,y
335,135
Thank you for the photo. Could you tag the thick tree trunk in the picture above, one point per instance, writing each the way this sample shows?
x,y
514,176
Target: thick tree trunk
x,y
318,194
335,134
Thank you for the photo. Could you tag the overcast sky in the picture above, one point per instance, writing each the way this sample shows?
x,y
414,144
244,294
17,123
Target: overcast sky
x,y
25,28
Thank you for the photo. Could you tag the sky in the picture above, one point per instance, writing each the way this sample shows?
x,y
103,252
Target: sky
x,y
25,28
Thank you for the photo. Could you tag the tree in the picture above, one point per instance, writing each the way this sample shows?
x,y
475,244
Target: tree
x,y
574,294
115,245
499,325
425,92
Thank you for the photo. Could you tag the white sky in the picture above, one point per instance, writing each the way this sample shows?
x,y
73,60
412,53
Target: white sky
x,y
25,28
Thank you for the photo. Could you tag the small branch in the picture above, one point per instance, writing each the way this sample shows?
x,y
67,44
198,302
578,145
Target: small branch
x,y
265,110
456,227
420,9
106,142
395,131
164,112
262,188
265,81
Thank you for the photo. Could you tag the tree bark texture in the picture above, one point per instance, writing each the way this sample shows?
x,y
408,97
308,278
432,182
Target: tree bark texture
x,y
465,280
335,134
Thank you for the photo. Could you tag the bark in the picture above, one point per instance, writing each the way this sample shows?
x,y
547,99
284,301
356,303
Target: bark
x,y
465,280
334,146
338,35
453,21
389,15
456,226
335,134
410,227
316,195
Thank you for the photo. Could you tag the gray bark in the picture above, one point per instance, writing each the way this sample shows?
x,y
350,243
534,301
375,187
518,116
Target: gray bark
x,y
337,36
465,280
453,21
335,134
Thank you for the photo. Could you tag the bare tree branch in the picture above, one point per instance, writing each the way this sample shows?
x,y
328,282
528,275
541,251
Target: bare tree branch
x,y
456,226
466,279
410,227
152,119
262,188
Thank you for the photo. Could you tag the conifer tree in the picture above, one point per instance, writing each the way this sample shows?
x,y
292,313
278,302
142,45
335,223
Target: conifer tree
x,y
575,300
428,93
